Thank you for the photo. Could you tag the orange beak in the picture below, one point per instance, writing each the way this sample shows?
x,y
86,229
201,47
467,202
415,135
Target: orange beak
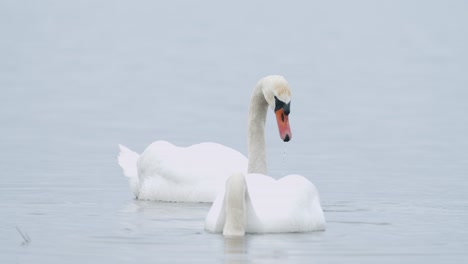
x,y
283,125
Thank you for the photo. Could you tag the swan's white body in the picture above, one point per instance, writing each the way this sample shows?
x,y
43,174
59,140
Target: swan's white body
x,y
254,202
165,172
290,204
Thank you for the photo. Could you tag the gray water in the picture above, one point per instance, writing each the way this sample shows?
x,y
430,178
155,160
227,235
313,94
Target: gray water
x,y
379,123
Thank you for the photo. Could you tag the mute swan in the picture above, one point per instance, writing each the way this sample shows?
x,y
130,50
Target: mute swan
x,y
256,203
165,172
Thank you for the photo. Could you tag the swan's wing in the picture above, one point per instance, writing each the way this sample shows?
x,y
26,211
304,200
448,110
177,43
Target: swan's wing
x,y
190,165
290,204
186,174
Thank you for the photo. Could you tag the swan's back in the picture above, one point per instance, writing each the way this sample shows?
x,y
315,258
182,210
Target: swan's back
x,y
290,204
186,174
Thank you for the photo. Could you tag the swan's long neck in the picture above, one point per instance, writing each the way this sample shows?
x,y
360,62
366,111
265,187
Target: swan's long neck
x,y
234,204
256,132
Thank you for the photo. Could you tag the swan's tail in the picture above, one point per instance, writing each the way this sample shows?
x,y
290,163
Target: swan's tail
x,y
128,161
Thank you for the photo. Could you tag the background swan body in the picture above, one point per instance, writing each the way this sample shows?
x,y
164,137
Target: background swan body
x,y
166,172
290,204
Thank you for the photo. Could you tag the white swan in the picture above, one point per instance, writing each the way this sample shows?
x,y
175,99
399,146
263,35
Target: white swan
x,y
166,172
256,203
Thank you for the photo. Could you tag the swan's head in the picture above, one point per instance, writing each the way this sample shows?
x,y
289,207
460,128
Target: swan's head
x,y
278,96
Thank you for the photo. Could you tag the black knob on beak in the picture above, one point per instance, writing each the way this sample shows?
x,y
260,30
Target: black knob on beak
x,y
287,108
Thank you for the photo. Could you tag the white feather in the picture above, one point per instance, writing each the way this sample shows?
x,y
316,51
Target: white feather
x,y
181,174
128,160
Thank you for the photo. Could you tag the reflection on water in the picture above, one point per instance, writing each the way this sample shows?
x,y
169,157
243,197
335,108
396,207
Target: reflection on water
x,y
235,250
378,116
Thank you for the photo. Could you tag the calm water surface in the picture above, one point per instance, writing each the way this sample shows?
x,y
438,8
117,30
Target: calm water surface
x,y
378,115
